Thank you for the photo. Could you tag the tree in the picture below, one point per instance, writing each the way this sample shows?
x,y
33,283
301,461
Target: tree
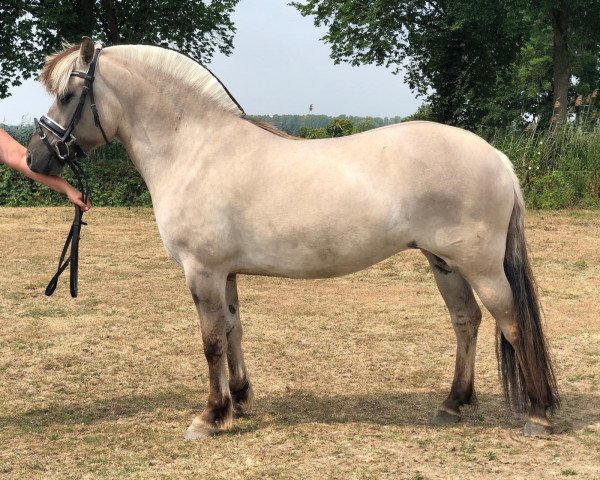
x,y
31,29
340,127
454,54
576,47
467,57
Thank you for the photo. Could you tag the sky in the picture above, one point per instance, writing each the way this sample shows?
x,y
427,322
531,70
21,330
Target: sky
x,y
279,65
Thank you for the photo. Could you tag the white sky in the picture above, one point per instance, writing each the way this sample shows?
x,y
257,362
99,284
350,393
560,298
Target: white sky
x,y
278,65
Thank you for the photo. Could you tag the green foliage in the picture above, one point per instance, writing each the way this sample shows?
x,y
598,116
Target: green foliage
x,y
294,124
313,133
31,29
558,168
488,64
113,178
424,112
454,54
340,127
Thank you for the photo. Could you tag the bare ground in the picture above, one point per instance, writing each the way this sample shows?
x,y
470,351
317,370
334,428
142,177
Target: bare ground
x,y
347,372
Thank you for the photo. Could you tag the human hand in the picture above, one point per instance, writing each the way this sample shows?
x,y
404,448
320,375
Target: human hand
x,y
76,198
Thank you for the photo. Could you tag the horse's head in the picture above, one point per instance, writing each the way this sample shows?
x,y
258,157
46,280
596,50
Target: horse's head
x,y
73,125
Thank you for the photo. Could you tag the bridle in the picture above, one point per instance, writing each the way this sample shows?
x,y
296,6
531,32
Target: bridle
x,y
66,139
63,150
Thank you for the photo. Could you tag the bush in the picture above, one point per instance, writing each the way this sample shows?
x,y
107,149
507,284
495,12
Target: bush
x,y
558,168
114,181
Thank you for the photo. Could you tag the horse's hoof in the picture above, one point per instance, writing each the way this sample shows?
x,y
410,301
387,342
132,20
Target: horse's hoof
x,y
443,417
199,430
535,429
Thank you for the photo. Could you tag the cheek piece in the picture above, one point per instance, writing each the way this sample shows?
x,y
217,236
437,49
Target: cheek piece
x,y
68,151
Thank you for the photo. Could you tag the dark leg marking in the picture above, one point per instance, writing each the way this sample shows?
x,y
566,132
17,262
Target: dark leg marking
x,y
466,316
412,244
240,395
217,411
232,309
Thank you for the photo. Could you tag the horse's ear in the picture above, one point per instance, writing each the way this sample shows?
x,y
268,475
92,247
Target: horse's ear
x,y
86,52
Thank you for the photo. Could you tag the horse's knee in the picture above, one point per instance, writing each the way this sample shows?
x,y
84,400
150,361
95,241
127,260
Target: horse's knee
x,y
214,346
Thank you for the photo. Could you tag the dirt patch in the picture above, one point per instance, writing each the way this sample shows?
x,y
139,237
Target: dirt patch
x,y
347,372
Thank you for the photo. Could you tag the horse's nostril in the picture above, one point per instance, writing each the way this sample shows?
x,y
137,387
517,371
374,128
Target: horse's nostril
x,y
28,159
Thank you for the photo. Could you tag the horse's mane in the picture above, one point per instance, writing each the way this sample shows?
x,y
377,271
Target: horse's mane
x,y
271,128
58,67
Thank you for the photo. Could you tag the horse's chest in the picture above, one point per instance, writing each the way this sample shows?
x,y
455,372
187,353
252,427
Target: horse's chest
x,y
188,236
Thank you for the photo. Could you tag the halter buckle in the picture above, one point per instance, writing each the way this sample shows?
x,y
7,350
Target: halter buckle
x,y
59,146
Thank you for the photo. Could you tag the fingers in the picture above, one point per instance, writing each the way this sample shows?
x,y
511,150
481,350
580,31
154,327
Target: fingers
x,y
76,198
81,204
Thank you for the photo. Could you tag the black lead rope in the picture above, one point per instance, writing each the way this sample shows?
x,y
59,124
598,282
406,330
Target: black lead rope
x,y
72,238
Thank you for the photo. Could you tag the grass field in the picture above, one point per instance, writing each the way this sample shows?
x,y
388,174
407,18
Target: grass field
x,y
347,372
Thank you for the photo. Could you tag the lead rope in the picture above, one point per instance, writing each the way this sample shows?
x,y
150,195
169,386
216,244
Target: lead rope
x,y
73,236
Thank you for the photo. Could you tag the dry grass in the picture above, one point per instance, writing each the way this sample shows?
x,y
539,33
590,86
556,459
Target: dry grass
x,y
347,372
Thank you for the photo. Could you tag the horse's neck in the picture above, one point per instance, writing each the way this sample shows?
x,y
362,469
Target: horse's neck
x,y
166,139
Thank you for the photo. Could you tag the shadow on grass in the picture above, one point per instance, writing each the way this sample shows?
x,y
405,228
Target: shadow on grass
x,y
301,406
99,410
417,409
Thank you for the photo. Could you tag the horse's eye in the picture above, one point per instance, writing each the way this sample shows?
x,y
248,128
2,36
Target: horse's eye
x,y
66,99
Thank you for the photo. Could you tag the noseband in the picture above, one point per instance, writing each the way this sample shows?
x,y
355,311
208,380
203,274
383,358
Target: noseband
x,y
65,145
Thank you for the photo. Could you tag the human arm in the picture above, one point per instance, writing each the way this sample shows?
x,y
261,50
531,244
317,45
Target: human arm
x,y
13,154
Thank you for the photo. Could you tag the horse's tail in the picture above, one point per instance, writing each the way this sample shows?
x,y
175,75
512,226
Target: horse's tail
x,y
537,380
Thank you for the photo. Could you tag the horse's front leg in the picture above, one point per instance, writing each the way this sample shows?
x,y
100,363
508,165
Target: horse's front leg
x,y
239,384
208,291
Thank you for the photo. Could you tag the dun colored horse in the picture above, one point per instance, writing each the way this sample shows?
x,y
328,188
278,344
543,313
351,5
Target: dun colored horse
x,y
235,197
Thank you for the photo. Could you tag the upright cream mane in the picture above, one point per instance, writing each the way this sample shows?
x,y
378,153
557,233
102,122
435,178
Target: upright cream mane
x,y
177,67
156,60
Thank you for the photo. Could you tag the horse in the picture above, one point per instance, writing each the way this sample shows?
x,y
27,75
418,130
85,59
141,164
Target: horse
x,y
234,196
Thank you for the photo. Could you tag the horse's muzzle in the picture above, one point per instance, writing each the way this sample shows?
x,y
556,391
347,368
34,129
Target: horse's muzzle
x,y
44,164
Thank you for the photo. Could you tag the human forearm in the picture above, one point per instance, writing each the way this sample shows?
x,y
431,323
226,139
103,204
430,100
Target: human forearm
x,y
58,184
55,183
11,151
13,154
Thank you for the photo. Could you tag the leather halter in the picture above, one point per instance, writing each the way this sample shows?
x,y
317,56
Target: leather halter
x,y
67,151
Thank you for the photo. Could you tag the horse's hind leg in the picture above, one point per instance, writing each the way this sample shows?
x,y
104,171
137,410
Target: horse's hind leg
x,y
239,384
466,317
524,370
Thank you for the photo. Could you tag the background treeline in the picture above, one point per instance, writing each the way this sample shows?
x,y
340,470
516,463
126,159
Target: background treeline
x,y
558,167
297,124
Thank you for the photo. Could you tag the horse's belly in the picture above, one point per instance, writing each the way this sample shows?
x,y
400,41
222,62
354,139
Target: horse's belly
x,y
322,259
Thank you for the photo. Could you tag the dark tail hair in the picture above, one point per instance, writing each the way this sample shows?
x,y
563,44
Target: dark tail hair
x,y
534,377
